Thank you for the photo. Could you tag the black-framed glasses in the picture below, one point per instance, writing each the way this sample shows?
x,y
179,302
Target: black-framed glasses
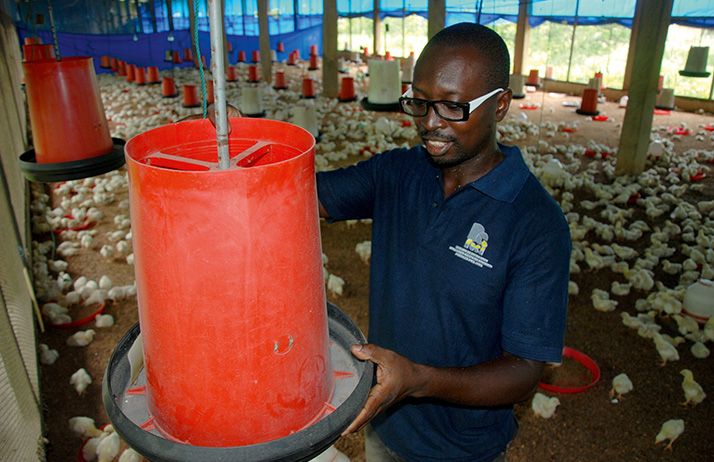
x,y
448,110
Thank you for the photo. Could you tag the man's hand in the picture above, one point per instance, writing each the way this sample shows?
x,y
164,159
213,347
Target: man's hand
x,y
397,378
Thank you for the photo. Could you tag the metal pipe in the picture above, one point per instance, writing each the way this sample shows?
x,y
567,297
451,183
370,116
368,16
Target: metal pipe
x,y
215,17
50,11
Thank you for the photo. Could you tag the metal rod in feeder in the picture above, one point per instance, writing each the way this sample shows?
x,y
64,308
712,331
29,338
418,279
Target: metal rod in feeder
x,y
215,17
51,14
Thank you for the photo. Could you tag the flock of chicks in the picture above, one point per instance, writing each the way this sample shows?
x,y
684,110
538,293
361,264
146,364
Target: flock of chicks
x,y
641,227
658,207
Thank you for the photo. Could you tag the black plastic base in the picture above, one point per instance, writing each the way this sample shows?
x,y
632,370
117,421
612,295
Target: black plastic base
x,y
300,446
664,108
253,81
256,115
312,68
518,96
170,96
589,113
280,88
307,97
390,107
73,170
348,100
694,74
190,106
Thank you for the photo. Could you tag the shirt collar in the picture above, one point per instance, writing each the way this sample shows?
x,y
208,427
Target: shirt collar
x,y
504,181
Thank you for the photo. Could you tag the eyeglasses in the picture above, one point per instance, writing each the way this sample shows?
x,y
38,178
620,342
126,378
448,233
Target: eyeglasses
x,y
447,110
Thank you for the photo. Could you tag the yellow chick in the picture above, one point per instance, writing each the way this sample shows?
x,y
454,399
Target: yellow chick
x,y
666,350
693,392
544,406
601,300
621,384
670,430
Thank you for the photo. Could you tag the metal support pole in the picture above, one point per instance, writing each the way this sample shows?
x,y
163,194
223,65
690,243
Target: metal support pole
x,y
215,16
54,30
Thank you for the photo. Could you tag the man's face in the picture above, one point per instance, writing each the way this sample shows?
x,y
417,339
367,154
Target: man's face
x,y
453,74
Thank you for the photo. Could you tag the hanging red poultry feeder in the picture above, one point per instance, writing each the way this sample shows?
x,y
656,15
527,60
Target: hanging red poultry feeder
x,y
347,90
152,75
253,74
279,83
269,350
37,52
63,100
313,63
168,88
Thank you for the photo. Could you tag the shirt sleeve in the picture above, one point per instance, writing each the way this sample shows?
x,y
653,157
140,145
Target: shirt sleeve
x,y
535,300
349,193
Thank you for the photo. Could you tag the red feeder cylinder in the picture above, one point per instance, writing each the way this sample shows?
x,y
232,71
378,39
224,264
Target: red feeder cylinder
x,y
241,56
588,105
130,73
347,89
387,55
177,57
279,83
33,41
313,50
114,64
297,54
261,354
121,69
190,96
187,54
533,79
168,88
63,99
280,47
104,62
256,56
308,88
139,75
152,74
313,63
252,73
231,74
365,52
291,59
37,52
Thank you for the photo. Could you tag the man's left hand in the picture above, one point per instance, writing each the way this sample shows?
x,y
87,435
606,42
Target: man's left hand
x,y
397,378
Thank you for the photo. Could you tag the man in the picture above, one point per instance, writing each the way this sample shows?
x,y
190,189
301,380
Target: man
x,y
469,266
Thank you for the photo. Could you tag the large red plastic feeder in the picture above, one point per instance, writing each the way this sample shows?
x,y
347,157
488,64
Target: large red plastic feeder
x,y
242,359
64,102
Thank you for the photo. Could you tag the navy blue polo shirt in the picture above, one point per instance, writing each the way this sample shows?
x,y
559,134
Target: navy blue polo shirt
x,y
456,282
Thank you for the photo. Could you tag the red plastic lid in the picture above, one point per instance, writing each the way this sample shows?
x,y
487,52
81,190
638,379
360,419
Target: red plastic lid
x,y
583,359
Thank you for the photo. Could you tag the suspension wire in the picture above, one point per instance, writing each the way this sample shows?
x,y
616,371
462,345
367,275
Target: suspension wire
x,y
54,30
198,58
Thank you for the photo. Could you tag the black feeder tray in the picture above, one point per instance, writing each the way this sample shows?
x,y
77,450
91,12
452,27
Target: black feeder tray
x,y
665,108
280,88
72,170
686,73
256,115
348,100
128,411
518,96
171,96
191,105
587,113
388,107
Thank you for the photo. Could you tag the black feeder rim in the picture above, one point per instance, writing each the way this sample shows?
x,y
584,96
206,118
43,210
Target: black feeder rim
x,y
72,170
694,73
665,108
280,88
254,81
348,100
588,113
519,96
170,96
388,107
300,446
256,115
192,105
312,68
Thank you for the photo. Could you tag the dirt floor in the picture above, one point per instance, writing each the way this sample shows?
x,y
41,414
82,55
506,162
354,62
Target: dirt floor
x,y
586,426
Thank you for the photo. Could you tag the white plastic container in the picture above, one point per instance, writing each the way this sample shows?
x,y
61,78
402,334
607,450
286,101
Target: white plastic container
x,y
699,300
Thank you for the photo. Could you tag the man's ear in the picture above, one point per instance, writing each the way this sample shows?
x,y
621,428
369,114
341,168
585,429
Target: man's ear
x,y
504,102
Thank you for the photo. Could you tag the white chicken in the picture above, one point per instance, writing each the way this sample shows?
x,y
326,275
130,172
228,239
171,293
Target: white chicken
x,y
544,406
364,250
335,285
130,455
693,392
108,447
670,431
80,380
601,300
84,427
666,350
48,356
104,320
621,385
699,350
81,338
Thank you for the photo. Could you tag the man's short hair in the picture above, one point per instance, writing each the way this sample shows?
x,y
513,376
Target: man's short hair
x,y
484,41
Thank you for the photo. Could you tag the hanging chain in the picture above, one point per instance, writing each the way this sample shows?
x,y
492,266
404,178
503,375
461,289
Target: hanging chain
x,y
54,30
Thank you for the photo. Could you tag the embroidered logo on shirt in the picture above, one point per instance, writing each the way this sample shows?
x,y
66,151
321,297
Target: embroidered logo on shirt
x,y
475,246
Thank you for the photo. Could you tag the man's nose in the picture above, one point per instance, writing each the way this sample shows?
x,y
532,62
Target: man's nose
x,y
431,120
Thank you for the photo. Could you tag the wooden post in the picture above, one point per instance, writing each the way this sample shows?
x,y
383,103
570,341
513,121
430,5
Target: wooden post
x,y
437,16
523,32
654,17
264,40
329,49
